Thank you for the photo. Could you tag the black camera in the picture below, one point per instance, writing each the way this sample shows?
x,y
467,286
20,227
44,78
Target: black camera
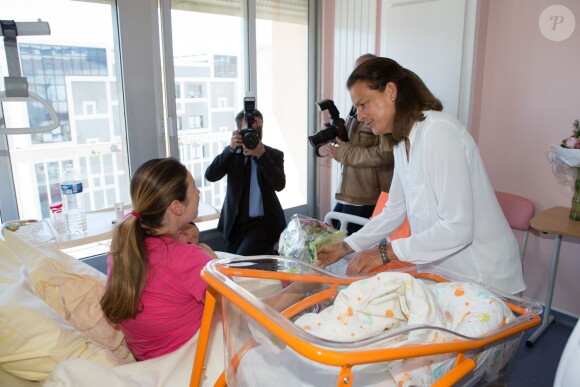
x,y
250,136
335,128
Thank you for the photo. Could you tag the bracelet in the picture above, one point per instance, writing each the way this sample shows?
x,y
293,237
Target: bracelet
x,y
383,250
346,247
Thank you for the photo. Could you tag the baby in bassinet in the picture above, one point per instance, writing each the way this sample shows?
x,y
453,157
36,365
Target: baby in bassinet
x,y
384,302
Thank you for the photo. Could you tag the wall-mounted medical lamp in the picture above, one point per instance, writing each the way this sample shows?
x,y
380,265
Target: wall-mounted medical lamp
x,y
16,86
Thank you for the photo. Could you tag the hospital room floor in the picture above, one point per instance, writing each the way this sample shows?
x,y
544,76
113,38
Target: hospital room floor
x,y
532,367
537,366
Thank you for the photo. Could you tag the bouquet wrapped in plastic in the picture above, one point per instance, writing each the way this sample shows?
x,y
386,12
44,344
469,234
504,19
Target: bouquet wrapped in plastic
x,y
303,235
565,160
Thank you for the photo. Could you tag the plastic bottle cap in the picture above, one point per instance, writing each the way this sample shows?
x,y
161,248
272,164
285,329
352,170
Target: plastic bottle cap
x,y
56,207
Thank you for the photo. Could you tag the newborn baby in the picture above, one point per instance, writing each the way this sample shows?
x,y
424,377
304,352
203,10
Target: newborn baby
x,y
190,235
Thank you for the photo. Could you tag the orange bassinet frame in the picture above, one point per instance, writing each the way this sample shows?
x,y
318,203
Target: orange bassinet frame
x,y
218,276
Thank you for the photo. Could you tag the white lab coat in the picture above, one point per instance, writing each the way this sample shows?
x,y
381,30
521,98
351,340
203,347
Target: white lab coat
x,y
456,221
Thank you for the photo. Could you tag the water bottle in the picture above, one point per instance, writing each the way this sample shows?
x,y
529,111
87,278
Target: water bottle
x,y
71,188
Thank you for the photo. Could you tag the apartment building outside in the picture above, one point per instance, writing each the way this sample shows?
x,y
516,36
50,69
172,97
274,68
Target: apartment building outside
x,y
79,84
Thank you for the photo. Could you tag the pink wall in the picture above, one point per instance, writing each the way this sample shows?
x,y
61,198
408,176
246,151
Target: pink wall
x,y
527,94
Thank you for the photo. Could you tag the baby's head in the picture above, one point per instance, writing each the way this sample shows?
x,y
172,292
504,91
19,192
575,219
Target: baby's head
x,y
189,234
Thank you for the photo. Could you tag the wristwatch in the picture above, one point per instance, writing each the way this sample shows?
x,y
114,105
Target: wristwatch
x,y
383,250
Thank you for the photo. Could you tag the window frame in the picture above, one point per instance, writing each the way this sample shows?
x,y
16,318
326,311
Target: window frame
x,y
138,45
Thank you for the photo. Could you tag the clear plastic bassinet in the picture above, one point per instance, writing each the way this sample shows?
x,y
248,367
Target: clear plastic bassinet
x,y
264,346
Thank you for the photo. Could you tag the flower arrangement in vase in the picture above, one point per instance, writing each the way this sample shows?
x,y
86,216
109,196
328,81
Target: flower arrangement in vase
x,y
565,161
573,142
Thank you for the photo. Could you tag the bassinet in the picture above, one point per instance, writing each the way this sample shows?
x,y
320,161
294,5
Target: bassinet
x,y
264,345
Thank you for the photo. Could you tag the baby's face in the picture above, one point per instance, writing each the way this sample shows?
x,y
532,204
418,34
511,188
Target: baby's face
x,y
190,235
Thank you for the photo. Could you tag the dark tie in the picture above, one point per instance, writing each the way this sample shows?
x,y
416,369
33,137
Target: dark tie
x,y
244,210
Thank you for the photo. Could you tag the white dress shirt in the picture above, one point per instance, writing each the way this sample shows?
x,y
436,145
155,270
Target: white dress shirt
x,y
456,221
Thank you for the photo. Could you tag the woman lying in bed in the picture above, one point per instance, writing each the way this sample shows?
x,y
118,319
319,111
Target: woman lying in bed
x,y
154,290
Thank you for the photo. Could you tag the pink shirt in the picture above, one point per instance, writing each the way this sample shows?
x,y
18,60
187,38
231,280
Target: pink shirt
x,y
172,301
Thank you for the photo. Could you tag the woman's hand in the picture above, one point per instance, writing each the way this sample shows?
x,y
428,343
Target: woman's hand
x,y
364,262
332,252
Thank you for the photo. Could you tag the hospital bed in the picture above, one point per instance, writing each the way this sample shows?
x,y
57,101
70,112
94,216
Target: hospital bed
x,y
264,344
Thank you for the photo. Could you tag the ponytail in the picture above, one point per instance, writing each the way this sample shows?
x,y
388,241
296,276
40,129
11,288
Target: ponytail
x,y
128,271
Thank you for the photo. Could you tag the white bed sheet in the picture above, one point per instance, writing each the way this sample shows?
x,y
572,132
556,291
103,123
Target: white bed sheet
x,y
173,369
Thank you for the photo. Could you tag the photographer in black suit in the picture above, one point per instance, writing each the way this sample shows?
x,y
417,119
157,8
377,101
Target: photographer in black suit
x,y
251,218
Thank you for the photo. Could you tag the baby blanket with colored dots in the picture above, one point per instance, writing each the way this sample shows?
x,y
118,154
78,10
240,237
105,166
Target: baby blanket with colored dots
x,y
383,303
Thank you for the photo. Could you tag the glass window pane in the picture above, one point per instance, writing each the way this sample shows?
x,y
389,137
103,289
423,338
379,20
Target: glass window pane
x,y
282,49
74,69
209,84
209,78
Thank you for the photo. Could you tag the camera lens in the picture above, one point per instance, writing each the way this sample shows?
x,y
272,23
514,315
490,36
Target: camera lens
x,y
323,137
250,138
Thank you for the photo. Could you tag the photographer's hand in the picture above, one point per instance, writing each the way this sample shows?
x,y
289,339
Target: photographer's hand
x,y
236,140
332,148
256,152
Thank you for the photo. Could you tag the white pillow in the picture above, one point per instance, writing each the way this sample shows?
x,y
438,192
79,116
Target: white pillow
x,y
34,338
9,261
76,298
70,287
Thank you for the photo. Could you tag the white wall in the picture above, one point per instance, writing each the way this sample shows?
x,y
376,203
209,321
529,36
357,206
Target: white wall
x,y
355,26
349,31
415,37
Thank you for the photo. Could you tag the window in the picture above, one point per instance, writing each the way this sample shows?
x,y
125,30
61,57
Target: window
x,y
74,70
281,50
225,66
77,69
216,65
194,90
209,72
48,77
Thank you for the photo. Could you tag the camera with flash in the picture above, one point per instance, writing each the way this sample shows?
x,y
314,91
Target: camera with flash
x,y
334,128
250,136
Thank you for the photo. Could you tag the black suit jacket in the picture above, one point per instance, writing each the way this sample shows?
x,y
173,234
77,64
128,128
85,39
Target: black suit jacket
x,y
271,178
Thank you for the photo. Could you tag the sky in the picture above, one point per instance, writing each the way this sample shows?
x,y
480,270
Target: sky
x,y
77,21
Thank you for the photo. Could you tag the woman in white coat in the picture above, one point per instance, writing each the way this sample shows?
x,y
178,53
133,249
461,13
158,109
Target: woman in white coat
x,y
439,183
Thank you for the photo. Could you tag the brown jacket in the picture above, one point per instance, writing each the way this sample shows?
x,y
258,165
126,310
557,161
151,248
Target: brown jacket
x,y
367,164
